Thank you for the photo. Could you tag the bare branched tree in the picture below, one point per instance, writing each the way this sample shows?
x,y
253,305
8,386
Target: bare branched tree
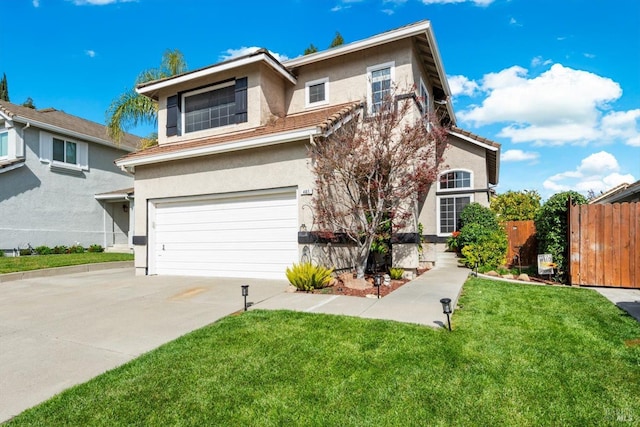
x,y
372,170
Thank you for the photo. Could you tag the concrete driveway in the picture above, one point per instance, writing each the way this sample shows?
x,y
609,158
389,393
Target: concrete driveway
x,y
59,331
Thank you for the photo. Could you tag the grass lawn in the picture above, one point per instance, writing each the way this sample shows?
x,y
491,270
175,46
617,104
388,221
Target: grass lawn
x,y
36,262
519,355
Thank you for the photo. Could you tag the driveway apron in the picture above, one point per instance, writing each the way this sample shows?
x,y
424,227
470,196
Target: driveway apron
x,y
59,331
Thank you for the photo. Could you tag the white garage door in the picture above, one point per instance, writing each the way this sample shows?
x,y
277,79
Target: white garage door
x,y
253,236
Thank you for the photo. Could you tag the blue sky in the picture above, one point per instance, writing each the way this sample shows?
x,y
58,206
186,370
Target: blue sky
x,y
556,82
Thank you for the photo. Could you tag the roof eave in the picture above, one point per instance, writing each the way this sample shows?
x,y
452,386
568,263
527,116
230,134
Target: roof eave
x,y
65,131
150,89
243,144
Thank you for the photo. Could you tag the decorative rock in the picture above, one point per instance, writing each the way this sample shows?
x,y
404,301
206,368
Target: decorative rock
x,y
508,276
524,277
291,289
353,283
387,280
492,273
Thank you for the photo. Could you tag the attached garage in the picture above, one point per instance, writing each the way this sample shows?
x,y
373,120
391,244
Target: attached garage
x,y
252,235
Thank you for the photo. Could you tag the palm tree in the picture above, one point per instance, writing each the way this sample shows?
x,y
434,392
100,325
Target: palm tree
x,y
131,108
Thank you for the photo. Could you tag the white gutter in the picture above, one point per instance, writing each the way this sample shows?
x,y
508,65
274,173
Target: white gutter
x,y
147,90
64,131
243,144
122,196
474,141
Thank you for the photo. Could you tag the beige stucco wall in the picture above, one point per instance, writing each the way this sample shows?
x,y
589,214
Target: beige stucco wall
x,y
459,155
348,74
265,98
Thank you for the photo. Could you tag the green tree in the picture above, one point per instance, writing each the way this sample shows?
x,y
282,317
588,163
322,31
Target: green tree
x,y
310,49
551,227
481,238
4,88
337,40
29,103
131,108
516,205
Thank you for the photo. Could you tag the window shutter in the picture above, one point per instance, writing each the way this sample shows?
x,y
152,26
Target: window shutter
x,y
82,155
172,115
241,100
46,147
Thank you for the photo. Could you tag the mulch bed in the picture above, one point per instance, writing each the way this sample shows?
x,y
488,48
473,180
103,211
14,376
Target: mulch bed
x,y
340,289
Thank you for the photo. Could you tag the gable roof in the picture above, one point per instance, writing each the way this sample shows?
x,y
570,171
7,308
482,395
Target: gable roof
x,y
151,88
293,127
60,122
492,151
620,193
424,40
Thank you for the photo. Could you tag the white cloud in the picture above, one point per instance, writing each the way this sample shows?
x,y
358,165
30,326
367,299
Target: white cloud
x,y
539,60
36,3
623,125
561,105
519,156
476,2
514,22
461,85
234,53
597,172
344,4
589,55
90,53
99,2
388,11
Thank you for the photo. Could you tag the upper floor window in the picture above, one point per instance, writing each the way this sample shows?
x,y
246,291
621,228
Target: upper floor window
x,y
62,153
4,144
316,92
455,180
206,108
424,97
380,82
218,105
65,151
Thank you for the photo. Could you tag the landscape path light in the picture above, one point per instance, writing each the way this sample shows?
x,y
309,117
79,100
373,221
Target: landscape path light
x,y
245,293
377,282
446,309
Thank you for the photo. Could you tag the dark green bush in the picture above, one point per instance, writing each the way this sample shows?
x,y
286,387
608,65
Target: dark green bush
x,y
61,249
44,250
76,249
95,248
551,228
307,277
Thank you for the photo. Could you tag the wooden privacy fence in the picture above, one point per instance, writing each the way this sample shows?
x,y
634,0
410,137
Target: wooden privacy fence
x,y
522,242
604,245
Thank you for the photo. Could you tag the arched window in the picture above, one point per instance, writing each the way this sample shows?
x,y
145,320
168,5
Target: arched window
x,y
455,180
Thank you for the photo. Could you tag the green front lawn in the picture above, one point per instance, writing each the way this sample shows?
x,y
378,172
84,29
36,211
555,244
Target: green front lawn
x,y
36,262
519,355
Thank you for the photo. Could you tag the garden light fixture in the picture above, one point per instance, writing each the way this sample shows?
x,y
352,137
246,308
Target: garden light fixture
x,y
377,282
245,292
446,309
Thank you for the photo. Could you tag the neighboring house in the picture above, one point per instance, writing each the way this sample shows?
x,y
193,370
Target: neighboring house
x,y
53,166
619,194
228,190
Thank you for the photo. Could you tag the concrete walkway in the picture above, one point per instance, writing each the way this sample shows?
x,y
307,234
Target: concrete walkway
x,y
416,302
627,299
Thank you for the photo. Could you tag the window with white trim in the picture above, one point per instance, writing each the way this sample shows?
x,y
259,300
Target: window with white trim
x,y
4,144
450,206
380,85
62,152
65,151
424,97
316,92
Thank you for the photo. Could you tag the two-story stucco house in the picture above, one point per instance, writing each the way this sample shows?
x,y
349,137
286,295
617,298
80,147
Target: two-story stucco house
x,y
53,169
228,189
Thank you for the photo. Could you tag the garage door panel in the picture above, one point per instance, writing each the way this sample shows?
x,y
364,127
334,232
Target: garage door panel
x,y
243,237
282,234
281,223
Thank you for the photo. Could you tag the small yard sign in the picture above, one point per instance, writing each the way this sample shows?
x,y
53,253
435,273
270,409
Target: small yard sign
x,y
545,264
